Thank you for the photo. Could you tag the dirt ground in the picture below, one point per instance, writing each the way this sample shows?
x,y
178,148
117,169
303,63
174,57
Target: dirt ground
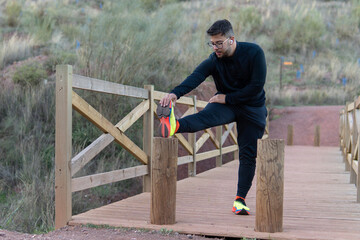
x,y
82,233
304,121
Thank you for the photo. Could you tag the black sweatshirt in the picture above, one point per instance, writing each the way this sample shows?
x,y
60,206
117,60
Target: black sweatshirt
x,y
240,77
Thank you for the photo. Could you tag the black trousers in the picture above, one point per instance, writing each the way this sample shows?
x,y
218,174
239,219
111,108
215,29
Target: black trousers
x,y
250,123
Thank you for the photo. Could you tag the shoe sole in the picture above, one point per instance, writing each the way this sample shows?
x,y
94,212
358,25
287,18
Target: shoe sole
x,y
242,212
163,111
163,114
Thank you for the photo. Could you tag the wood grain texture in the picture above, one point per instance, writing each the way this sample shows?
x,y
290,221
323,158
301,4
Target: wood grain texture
x,y
270,186
315,182
317,136
163,181
63,133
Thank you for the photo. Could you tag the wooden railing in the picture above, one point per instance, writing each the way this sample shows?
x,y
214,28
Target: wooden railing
x,y
66,165
349,141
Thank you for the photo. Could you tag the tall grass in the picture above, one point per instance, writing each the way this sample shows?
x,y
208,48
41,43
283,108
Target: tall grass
x,y
15,48
155,42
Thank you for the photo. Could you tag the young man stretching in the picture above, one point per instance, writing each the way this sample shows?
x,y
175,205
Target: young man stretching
x,y
239,72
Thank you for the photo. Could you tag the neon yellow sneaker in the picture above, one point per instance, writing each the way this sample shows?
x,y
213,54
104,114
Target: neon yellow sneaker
x,y
168,123
239,207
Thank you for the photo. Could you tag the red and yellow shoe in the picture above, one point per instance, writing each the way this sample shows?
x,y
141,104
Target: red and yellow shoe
x,y
168,123
239,207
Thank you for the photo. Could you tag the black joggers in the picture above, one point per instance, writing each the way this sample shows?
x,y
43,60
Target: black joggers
x,y
250,122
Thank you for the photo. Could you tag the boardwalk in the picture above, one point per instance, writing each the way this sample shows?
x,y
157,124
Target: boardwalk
x,y
319,202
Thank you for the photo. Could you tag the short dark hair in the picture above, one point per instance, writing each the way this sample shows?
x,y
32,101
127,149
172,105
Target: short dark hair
x,y
222,27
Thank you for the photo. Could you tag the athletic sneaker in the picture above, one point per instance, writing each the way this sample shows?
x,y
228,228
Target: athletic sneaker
x,y
168,123
239,207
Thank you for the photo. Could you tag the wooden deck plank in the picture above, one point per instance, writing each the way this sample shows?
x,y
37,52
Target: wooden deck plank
x,y
319,202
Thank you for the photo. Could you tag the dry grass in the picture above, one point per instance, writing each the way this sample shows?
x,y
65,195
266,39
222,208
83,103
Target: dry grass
x,y
16,48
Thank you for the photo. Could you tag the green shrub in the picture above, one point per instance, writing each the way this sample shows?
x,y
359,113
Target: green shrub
x,y
293,33
12,11
346,27
249,20
59,57
29,75
40,23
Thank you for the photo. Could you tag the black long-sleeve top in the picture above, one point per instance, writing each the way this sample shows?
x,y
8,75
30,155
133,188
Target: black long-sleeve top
x,y
240,77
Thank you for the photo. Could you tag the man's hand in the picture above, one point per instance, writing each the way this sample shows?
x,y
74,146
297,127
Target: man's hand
x,y
166,100
219,98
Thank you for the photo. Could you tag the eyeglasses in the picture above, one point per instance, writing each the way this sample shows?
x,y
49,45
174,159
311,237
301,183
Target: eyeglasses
x,y
218,45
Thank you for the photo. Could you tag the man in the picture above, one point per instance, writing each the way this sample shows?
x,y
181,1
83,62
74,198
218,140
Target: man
x,y
239,72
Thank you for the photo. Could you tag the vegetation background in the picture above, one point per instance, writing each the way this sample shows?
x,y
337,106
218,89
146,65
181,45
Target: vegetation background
x,y
138,42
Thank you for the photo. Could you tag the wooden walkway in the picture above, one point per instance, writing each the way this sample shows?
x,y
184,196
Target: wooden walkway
x,y
319,202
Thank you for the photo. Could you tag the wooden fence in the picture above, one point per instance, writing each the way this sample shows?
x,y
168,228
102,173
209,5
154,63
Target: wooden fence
x,y
349,141
66,165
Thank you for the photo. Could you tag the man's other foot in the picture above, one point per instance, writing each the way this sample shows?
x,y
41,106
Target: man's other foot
x,y
239,207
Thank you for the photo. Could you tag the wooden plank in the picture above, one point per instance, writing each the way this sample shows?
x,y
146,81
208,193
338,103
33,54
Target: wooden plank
x,y
96,85
228,131
86,182
290,135
318,172
350,107
185,159
188,112
184,143
214,139
355,167
219,159
86,155
148,135
270,186
63,145
163,181
229,149
349,158
104,125
192,142
183,100
357,102
208,154
133,116
200,142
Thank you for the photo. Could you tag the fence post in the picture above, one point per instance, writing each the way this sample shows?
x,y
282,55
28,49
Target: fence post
x,y
163,181
354,139
63,135
270,185
218,137
358,175
148,134
317,136
290,135
346,137
192,141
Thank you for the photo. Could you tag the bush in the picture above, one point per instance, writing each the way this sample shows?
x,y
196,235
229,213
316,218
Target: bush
x,y
346,27
249,20
58,58
29,75
293,33
12,11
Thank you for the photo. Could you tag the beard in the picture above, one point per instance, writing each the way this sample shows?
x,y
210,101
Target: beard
x,y
225,53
